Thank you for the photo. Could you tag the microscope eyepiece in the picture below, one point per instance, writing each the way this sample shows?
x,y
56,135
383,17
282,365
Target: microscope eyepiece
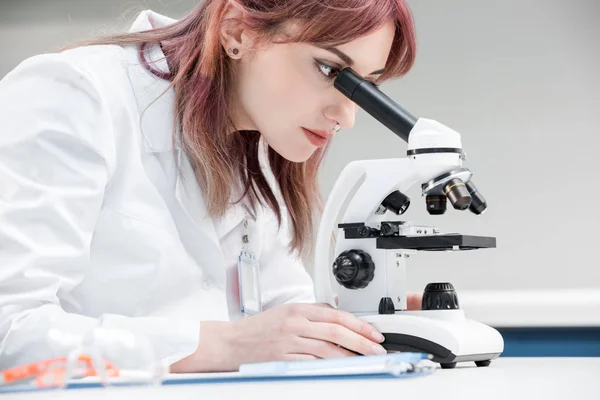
x,y
368,97
347,81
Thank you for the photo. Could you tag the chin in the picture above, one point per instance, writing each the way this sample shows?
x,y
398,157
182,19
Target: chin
x,y
294,155
291,152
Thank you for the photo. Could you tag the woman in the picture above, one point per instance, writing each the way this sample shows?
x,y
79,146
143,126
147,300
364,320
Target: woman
x,y
135,169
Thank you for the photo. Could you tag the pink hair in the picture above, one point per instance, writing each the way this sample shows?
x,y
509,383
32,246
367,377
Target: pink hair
x,y
201,76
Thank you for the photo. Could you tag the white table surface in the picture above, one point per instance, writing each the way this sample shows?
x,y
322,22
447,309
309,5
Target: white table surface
x,y
535,308
505,378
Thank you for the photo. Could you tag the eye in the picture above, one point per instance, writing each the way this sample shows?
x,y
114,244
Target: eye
x,y
328,72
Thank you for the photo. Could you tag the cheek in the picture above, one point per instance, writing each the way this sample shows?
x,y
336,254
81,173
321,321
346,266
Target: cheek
x,y
276,89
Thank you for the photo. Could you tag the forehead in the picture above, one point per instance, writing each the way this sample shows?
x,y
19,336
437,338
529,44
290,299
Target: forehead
x,y
370,52
378,41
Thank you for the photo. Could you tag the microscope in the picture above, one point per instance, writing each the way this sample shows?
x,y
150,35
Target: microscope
x,y
364,270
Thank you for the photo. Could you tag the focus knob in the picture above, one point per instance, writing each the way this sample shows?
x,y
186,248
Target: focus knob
x,y
354,269
386,306
439,296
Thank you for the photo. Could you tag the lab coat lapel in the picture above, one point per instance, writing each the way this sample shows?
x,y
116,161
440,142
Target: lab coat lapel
x,y
203,237
197,230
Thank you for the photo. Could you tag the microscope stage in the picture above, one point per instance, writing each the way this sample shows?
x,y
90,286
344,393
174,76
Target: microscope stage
x,y
436,242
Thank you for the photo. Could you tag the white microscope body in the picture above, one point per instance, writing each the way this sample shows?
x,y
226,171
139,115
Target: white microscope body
x,y
366,274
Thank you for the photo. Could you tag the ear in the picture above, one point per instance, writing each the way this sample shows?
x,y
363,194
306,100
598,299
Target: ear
x,y
235,39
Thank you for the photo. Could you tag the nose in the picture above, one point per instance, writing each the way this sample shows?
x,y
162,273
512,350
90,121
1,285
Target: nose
x,y
342,111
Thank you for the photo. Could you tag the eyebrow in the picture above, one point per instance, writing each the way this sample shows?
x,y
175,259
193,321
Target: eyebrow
x,y
348,60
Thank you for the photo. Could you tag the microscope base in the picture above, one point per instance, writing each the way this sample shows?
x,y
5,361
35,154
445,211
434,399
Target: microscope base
x,y
445,334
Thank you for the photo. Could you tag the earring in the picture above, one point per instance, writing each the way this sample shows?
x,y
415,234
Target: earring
x,y
234,51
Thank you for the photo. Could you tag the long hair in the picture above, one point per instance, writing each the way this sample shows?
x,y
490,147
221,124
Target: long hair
x,y
201,75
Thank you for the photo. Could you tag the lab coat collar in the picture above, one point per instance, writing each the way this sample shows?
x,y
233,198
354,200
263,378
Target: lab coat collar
x,y
154,97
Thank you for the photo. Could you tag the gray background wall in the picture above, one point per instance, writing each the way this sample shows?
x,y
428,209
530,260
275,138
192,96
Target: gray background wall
x,y
520,79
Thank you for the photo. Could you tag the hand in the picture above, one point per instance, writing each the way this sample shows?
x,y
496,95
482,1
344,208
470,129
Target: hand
x,y
414,300
284,333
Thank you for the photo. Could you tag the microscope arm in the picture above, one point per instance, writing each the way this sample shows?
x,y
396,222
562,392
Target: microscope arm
x,y
357,193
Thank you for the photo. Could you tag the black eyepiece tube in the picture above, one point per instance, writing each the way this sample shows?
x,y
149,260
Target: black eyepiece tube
x,y
375,102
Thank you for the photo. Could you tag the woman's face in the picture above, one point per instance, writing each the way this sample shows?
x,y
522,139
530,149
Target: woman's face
x,y
283,90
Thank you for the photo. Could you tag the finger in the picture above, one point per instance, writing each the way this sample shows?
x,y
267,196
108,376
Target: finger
x,y
413,301
342,336
345,319
299,357
322,348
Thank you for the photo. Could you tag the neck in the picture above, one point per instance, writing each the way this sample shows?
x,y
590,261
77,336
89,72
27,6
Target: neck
x,y
239,118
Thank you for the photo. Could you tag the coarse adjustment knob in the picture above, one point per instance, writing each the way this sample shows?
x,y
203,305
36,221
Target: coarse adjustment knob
x,y
439,296
354,269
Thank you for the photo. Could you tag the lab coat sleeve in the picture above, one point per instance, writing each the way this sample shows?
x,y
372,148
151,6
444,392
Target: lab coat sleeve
x,y
57,154
284,278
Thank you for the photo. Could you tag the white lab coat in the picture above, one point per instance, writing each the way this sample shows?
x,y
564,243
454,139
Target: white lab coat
x,y
97,229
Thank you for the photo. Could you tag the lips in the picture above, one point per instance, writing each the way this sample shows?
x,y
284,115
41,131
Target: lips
x,y
316,138
323,134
